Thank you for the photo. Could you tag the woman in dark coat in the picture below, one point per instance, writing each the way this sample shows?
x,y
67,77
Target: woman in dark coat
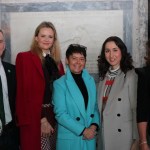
x,y
143,102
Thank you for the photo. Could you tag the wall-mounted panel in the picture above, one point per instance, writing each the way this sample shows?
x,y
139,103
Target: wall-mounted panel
x,y
82,27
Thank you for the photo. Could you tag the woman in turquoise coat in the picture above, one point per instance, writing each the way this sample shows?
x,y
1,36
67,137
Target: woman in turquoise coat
x,y
74,99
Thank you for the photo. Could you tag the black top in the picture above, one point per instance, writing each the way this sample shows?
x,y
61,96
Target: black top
x,y
143,95
10,131
80,82
51,73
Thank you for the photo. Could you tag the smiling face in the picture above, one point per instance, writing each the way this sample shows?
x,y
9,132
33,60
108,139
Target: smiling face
x,y
113,54
2,44
45,38
76,62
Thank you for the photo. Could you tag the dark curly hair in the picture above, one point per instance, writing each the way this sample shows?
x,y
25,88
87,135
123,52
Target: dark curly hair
x,y
76,48
126,60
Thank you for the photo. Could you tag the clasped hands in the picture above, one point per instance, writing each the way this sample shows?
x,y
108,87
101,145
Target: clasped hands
x,y
46,129
89,133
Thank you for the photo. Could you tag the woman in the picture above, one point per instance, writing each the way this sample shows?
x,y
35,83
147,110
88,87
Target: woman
x,y
143,102
36,70
116,96
74,99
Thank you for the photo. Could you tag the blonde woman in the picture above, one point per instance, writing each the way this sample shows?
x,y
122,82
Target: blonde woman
x,y
36,70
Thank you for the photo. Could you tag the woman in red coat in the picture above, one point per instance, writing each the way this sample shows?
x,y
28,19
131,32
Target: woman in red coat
x,y
36,70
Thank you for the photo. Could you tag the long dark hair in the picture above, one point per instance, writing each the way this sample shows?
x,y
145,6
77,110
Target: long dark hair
x,y
126,60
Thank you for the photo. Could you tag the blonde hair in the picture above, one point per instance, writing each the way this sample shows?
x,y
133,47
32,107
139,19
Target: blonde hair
x,y
55,49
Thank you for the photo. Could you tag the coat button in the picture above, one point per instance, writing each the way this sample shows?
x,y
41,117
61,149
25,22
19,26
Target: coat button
x,y
92,116
118,115
119,130
119,99
78,118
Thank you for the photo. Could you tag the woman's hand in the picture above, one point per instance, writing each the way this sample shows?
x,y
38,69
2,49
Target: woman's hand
x,y
144,147
135,145
89,133
46,129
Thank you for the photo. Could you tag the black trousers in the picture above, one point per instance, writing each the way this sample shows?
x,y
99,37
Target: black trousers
x,y
9,140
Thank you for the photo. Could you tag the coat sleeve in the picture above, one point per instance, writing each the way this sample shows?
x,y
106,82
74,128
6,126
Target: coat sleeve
x,y
142,97
96,118
97,115
61,69
133,100
60,109
21,100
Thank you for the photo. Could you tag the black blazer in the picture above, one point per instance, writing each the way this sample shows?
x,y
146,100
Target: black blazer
x,y
10,135
11,83
143,95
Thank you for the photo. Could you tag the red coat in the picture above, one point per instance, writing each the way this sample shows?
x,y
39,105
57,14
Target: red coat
x,y
30,92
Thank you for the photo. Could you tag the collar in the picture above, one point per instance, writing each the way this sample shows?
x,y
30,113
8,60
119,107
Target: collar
x,y
44,54
113,70
113,73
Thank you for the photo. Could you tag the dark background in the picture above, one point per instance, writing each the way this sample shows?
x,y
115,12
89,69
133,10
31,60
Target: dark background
x,y
149,19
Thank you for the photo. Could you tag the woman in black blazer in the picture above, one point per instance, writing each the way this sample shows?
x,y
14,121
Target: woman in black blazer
x,y
143,102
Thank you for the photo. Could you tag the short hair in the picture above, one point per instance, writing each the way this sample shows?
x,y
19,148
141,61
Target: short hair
x,y
76,48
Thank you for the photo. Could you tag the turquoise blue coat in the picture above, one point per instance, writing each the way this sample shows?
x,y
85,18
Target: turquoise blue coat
x,y
71,114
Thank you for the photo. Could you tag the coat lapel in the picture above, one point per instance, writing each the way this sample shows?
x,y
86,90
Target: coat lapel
x,y
37,64
8,72
8,75
100,92
91,100
75,93
116,88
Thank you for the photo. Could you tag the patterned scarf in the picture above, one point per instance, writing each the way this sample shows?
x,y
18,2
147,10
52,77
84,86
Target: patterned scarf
x,y
110,77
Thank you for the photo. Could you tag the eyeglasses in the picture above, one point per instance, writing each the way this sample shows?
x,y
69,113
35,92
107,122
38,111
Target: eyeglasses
x,y
78,46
